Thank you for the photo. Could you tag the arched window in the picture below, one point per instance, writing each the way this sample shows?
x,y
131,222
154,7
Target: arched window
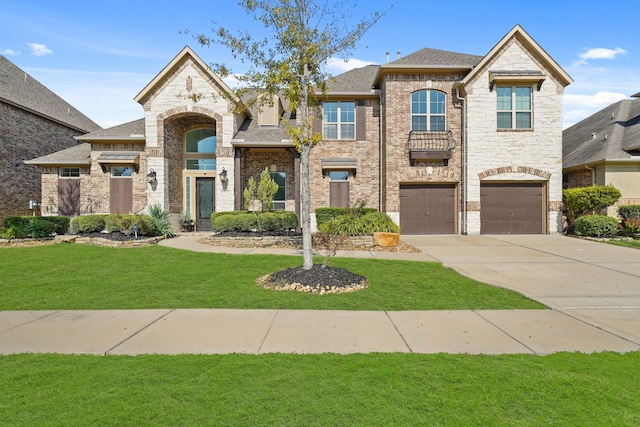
x,y
428,110
200,149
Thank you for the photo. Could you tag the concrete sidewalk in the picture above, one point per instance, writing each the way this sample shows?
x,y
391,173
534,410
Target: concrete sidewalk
x,y
593,290
206,331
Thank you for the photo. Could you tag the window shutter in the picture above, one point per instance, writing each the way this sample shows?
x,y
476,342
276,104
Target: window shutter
x,y
361,120
317,120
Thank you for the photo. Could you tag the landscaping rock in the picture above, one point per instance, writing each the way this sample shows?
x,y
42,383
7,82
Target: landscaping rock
x,y
386,240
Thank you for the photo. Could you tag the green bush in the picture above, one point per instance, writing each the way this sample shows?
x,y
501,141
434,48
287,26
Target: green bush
x,y
247,221
162,224
580,201
629,212
329,214
288,220
20,227
596,226
39,228
88,223
269,221
124,224
348,225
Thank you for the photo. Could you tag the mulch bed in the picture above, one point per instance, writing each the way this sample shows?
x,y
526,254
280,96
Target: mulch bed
x,y
317,280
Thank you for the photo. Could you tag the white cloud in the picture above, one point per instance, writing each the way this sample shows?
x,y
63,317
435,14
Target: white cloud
x,y
38,49
10,52
599,99
599,53
337,66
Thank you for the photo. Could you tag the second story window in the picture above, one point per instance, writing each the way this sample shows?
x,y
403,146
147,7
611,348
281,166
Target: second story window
x,y
428,110
339,120
514,107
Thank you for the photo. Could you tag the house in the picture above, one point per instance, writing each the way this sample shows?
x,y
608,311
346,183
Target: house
x,y
34,121
604,149
443,142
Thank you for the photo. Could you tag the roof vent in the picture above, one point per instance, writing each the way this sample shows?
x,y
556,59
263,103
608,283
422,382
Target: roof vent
x,y
593,135
387,57
613,115
398,54
606,136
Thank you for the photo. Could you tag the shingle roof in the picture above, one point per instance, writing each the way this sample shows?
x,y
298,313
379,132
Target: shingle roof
x,y
359,80
126,131
79,155
608,134
438,58
20,89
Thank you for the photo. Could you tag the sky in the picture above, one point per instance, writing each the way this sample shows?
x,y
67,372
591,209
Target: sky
x,y
98,55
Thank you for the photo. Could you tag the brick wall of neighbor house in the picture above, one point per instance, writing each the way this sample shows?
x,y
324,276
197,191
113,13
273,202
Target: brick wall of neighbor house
x,y
364,187
25,136
579,178
398,89
201,102
518,155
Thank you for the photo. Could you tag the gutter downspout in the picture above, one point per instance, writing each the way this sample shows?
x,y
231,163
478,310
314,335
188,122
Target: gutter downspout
x,y
463,148
380,159
593,174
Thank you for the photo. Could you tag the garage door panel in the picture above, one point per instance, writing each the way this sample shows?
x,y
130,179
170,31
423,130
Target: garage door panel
x,y
510,208
427,209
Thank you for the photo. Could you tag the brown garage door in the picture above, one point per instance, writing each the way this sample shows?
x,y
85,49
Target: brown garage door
x,y
511,208
427,209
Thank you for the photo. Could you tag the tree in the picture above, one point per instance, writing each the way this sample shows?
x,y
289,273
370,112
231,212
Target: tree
x,y
305,34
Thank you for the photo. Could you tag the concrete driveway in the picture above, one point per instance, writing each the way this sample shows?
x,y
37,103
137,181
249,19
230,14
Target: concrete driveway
x,y
591,281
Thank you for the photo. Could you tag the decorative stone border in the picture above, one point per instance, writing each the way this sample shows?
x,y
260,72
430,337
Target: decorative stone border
x,y
276,241
95,241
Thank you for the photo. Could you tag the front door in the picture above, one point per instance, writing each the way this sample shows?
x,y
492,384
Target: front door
x,y
205,205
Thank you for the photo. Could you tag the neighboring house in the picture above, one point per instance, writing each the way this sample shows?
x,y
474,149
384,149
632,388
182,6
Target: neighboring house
x,y
443,142
604,149
33,122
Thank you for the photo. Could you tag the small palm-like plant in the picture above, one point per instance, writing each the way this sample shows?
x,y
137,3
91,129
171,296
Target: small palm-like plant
x,y
161,219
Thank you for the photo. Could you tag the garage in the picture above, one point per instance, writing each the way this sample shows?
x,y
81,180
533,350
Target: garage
x,y
508,208
427,209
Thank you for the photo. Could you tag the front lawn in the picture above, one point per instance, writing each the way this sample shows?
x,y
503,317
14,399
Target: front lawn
x,y
81,277
626,243
320,390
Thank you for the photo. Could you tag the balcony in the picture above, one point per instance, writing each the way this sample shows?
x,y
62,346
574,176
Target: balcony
x,y
429,146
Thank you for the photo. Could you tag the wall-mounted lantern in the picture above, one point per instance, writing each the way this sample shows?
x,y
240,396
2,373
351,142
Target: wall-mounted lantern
x,y
224,180
151,177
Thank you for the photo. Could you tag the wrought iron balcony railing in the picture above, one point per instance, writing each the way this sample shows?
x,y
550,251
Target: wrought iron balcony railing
x,y
430,145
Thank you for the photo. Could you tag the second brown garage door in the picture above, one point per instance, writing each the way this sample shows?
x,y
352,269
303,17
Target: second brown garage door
x,y
511,208
427,209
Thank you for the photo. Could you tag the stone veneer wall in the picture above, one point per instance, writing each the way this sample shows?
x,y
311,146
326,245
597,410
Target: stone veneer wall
x,y
25,136
397,125
517,151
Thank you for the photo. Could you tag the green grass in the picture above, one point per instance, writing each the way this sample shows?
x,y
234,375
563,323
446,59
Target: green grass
x,y
79,277
626,243
320,390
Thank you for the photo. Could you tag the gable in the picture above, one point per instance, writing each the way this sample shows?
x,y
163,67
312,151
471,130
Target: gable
x,y
187,77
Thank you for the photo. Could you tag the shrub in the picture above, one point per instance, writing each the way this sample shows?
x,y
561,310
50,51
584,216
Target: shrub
x,y
348,225
329,214
161,219
596,225
580,201
19,225
629,212
270,221
288,220
249,221
631,226
39,228
146,225
88,223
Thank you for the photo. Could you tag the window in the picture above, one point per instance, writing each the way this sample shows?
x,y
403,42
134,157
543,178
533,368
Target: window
x,y
121,171
428,110
279,200
339,120
200,149
514,107
69,172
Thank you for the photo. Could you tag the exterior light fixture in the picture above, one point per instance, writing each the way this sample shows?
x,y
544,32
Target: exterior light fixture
x,y
224,180
151,177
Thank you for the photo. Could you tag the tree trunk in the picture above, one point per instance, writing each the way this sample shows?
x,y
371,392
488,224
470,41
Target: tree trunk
x,y
305,208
